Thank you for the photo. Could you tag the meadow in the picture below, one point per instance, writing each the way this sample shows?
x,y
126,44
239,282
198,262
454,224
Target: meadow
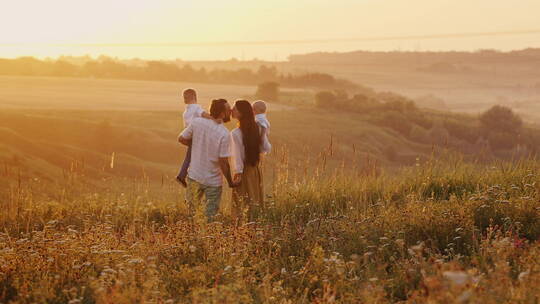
x,y
441,232
46,124
90,213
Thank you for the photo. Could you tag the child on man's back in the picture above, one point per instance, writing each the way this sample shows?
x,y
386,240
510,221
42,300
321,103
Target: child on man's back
x,y
192,110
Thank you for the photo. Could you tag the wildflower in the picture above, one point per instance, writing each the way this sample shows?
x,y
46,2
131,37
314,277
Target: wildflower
x,y
108,271
21,241
418,248
523,275
464,297
136,261
457,277
519,243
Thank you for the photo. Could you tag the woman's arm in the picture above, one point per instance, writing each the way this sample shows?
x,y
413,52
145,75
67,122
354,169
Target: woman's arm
x,y
238,152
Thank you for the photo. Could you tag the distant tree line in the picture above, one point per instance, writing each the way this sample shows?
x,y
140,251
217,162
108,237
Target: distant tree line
x,y
107,67
528,56
498,130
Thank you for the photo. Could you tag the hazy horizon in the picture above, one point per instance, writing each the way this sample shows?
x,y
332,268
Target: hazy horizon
x,y
268,31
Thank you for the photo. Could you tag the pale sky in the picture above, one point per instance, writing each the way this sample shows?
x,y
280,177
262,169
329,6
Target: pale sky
x,y
27,25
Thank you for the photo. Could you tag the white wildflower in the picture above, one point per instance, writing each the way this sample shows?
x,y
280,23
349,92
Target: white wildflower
x,y
523,275
457,277
136,261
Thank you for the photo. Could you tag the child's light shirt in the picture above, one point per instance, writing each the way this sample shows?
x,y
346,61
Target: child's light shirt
x,y
192,111
263,122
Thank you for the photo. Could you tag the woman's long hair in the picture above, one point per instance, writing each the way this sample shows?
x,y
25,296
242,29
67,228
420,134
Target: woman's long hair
x,y
250,132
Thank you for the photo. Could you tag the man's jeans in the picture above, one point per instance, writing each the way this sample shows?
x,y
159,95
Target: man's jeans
x,y
185,165
212,195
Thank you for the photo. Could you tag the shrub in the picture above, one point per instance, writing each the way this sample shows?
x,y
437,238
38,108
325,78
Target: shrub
x,y
325,99
268,91
395,121
500,119
502,140
419,134
461,130
438,134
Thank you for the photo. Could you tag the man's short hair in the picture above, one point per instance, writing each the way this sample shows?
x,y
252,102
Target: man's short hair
x,y
217,107
189,94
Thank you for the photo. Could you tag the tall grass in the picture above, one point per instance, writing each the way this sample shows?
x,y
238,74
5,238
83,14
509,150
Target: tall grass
x,y
444,231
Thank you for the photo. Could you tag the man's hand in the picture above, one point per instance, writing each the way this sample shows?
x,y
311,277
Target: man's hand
x,y
184,141
237,178
233,184
226,170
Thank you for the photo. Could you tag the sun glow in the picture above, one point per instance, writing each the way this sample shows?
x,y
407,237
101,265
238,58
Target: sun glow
x,y
51,28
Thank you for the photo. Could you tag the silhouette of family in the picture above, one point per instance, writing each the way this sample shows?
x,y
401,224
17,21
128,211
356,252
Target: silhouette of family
x,y
214,152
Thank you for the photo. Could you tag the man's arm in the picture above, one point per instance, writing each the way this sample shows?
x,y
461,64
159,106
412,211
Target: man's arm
x,y
184,141
226,170
224,155
186,135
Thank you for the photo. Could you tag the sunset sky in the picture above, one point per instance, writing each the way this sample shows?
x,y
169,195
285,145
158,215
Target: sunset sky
x,y
34,27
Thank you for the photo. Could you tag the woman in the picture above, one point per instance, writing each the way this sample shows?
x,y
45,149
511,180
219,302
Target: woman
x,y
249,141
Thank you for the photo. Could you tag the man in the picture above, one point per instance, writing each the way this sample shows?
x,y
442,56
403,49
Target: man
x,y
192,110
210,151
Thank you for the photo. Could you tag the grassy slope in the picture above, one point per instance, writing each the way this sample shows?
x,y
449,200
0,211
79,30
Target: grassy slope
x,y
148,139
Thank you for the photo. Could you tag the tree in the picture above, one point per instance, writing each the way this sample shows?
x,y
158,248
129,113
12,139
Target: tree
x,y
325,99
268,91
500,119
64,69
267,73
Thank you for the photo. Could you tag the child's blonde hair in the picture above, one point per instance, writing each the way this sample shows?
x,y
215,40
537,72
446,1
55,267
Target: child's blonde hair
x,y
190,95
259,106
